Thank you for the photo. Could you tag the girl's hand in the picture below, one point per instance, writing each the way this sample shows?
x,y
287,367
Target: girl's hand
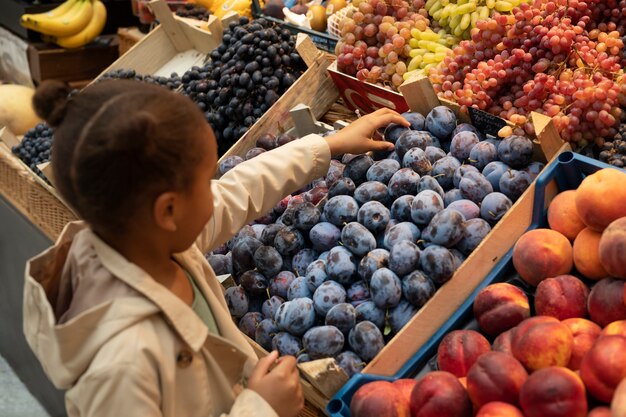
x,y
358,136
278,385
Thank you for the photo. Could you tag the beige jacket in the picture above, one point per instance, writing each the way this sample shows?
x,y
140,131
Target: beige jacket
x,y
123,345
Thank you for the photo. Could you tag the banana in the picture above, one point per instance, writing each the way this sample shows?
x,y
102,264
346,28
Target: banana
x,y
68,24
90,32
57,12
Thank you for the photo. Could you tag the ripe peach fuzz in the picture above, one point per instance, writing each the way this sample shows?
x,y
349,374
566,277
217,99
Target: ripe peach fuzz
x,y
542,253
499,409
405,386
542,341
600,198
563,297
600,412
604,366
615,328
495,376
502,343
379,398
563,215
606,301
459,350
585,333
439,394
500,307
554,392
587,254
612,248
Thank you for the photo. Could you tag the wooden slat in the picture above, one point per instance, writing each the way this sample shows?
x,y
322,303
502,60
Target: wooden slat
x,y
177,37
547,134
419,94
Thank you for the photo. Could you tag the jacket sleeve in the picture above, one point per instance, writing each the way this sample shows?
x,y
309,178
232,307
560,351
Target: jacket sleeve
x,y
116,391
249,403
253,188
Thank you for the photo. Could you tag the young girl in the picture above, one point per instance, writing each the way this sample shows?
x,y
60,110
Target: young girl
x,y
124,312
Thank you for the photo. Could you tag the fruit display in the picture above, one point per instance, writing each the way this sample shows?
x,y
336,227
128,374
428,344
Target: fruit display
x,y
254,65
558,57
73,24
193,11
35,147
16,108
173,82
337,269
509,362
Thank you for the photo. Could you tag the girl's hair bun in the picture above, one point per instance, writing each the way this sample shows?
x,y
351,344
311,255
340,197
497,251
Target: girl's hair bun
x,y
50,101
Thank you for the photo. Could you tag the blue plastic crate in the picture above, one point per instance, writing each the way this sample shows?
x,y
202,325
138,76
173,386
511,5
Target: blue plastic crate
x,y
567,171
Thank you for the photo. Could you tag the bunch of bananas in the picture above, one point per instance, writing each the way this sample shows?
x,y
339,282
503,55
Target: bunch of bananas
x,y
72,24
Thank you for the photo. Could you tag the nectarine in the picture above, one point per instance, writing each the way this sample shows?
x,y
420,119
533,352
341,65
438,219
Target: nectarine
x,y
600,198
587,254
553,392
542,253
563,215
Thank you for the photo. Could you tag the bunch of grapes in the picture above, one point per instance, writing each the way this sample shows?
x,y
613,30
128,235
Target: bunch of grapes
x,y
540,58
255,64
172,82
35,147
193,11
375,40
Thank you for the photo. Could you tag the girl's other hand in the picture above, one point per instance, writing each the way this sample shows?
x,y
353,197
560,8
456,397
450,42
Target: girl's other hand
x,y
358,136
277,380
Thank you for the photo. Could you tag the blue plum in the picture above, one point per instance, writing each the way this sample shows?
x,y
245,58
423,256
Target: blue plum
x,y
482,154
295,316
413,139
270,306
376,259
350,362
416,120
279,285
399,232
366,340
342,316
265,332
306,215
475,232
438,264
494,206
243,254
441,122
286,344
254,152
289,241
298,289
316,274
303,358
357,168
417,288
462,144
445,229
323,342
461,171
269,233
302,259
443,171
374,216
459,258
237,301
324,236
357,239
415,158
358,292
327,295
335,171
403,182
404,257
229,163
383,170
249,323
347,157
324,256
401,208
434,154
393,132
371,191
425,205
429,183
343,186
386,288
515,151
534,169
341,209
513,183
221,264
268,261
254,282
465,127
341,265
474,186
258,229
400,315
394,155
451,196
367,311
493,171
467,208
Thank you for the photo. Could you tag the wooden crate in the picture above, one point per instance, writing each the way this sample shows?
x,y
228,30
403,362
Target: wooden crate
x,y
128,38
173,46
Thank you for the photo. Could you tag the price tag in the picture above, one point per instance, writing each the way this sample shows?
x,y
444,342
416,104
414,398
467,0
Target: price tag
x,y
485,122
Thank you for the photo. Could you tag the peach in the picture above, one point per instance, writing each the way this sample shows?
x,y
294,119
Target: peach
x,y
500,307
439,394
600,198
542,253
502,343
585,333
405,386
615,328
618,403
606,301
600,412
563,297
495,376
379,398
613,247
586,254
563,215
459,350
499,409
553,392
542,341
604,366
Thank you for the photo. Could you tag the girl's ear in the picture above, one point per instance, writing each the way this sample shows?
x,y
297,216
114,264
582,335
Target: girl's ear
x,y
164,209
